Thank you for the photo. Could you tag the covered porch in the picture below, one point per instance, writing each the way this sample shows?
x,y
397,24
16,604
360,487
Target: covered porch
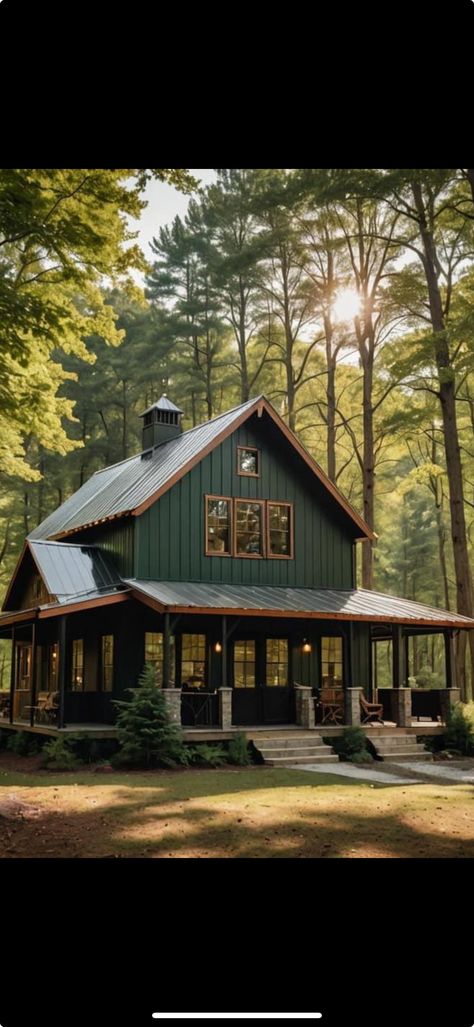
x,y
228,658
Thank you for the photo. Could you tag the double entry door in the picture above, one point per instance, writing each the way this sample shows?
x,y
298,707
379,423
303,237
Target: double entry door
x,y
261,676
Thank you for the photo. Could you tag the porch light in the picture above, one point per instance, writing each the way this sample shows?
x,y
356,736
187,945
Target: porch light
x,y
306,646
218,647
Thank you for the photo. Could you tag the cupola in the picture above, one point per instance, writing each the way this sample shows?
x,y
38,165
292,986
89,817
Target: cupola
x,y
161,422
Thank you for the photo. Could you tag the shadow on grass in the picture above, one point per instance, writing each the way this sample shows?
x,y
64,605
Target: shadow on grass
x,y
159,819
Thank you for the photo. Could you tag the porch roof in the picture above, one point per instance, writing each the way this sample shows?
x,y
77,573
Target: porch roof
x,y
275,600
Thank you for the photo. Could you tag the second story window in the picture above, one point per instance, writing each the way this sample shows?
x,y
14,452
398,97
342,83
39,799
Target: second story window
x,y
218,526
279,530
248,529
248,461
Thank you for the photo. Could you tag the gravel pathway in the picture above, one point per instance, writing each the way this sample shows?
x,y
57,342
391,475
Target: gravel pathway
x,y
351,770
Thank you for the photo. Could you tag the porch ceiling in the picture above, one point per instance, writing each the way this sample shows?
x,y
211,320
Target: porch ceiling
x,y
322,603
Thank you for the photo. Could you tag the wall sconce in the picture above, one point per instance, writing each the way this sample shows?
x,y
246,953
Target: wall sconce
x,y
306,646
218,647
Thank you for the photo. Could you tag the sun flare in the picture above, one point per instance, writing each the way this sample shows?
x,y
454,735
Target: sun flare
x,y
346,305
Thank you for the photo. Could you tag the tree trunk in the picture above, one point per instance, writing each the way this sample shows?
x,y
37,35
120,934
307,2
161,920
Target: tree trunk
x,y
331,402
242,344
368,473
447,398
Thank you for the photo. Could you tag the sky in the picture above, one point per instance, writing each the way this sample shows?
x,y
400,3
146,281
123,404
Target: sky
x,y
164,203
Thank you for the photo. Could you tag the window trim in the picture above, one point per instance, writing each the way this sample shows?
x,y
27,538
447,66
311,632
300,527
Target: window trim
x,y
103,666
72,685
229,500
248,474
338,635
279,556
250,556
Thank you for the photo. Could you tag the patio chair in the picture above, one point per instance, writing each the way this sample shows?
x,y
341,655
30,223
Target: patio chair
x,y
370,710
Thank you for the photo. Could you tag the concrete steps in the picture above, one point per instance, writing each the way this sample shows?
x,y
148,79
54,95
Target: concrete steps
x,y
296,748
395,748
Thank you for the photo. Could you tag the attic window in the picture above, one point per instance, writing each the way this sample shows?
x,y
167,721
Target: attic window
x,y
248,461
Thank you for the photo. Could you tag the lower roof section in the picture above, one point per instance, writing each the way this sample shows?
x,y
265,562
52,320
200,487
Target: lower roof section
x,y
271,600
193,597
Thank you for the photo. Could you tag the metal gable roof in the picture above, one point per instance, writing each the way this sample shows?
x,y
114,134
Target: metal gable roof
x,y
120,489
356,604
71,570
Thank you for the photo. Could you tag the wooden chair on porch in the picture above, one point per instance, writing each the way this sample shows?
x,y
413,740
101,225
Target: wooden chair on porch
x,y
370,710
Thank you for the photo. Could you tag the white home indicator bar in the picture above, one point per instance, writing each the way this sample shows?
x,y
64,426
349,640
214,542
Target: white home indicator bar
x,y
237,1016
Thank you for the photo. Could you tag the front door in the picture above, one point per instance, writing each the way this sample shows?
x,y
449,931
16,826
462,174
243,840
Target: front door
x,y
261,682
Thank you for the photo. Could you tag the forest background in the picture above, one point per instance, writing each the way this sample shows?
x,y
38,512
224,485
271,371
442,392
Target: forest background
x,y
346,296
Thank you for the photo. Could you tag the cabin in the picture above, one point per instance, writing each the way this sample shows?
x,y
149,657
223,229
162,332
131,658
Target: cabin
x,y
225,557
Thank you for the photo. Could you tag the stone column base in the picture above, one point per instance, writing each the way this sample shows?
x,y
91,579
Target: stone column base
x,y
173,702
402,704
225,708
352,706
448,697
304,706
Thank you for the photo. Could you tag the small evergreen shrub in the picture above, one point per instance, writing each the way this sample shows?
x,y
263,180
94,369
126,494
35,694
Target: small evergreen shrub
x,y
204,755
238,751
146,736
23,743
59,753
459,731
352,743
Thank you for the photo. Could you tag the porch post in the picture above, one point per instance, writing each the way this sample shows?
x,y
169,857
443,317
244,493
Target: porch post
x,y
450,662
33,674
224,652
401,694
450,695
406,641
12,675
166,652
62,670
398,658
304,701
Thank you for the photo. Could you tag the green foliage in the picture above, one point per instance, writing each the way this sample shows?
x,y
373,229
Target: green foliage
x,y
428,678
61,231
459,731
4,738
352,745
146,736
238,750
205,755
60,753
24,743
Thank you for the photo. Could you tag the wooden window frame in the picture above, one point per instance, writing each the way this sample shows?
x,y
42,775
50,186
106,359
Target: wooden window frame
x,y
179,671
226,499
248,474
277,638
74,665
279,556
245,687
321,639
250,556
104,666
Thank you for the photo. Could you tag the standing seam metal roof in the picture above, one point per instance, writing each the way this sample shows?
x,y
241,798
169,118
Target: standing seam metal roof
x,y
350,603
119,489
74,570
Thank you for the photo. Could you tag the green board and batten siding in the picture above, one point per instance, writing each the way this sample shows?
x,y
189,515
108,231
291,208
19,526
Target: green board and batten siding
x,y
115,538
170,542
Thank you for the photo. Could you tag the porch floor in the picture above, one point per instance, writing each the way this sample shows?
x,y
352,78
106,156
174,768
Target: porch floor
x,y
216,734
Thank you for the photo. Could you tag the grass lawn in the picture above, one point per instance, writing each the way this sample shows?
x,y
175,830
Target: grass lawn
x,y
257,811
